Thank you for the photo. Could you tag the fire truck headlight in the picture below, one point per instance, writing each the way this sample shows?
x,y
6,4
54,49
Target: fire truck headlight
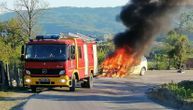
x,y
28,80
62,72
27,72
62,80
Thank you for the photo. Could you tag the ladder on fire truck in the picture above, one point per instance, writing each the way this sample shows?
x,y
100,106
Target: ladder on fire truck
x,y
78,35
63,36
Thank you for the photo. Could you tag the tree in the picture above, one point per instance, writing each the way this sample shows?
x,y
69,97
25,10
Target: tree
x,y
178,48
186,21
11,33
181,50
27,12
11,39
15,35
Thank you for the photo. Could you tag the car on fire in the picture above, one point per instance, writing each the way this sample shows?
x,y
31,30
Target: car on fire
x,y
140,68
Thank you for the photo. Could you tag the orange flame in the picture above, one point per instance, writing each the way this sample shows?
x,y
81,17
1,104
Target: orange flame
x,y
118,64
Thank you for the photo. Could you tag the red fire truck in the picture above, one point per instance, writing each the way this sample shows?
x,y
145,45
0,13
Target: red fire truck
x,y
59,61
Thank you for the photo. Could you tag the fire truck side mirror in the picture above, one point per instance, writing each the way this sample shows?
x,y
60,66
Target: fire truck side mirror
x,y
22,53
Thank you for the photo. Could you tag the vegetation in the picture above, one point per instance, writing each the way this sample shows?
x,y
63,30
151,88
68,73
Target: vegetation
x,y
175,48
177,95
11,40
183,90
104,49
172,53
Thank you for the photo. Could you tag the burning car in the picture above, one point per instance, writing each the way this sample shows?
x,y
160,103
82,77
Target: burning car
x,y
140,68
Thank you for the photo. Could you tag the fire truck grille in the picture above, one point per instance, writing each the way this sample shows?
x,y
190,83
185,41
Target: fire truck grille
x,y
45,71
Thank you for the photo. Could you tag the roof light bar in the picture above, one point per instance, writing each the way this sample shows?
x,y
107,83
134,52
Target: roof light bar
x,y
42,37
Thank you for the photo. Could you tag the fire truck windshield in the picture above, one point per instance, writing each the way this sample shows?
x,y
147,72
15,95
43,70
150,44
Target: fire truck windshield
x,y
46,52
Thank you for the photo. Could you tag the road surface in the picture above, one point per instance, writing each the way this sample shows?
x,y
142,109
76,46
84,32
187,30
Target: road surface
x,y
107,94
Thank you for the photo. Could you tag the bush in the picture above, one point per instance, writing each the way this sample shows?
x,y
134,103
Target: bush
x,y
101,56
157,66
183,90
162,66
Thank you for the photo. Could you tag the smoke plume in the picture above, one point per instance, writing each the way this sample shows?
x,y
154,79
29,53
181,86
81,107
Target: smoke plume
x,y
145,19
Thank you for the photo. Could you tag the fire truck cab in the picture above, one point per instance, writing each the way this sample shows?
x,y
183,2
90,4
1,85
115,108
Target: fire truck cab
x,y
59,61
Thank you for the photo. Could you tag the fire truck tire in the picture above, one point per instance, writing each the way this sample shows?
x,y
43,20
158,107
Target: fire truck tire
x,y
33,89
88,83
73,84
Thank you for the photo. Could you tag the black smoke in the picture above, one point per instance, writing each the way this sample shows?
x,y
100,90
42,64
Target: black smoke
x,y
145,19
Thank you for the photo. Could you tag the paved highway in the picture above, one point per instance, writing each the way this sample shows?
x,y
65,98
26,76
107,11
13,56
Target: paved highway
x,y
107,94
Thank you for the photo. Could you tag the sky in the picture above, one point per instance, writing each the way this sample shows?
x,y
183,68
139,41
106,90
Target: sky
x,y
79,3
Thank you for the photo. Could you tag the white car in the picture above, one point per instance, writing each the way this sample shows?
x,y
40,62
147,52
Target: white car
x,y
141,68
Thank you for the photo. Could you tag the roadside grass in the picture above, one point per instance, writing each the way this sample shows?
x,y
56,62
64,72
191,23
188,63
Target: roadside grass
x,y
10,98
177,95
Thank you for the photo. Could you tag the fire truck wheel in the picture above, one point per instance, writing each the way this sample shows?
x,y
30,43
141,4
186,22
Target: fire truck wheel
x,y
73,83
88,83
83,84
33,89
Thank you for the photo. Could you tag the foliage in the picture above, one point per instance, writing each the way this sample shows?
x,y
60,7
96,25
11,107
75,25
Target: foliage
x,y
11,40
173,52
104,49
101,56
14,34
183,90
175,47
151,65
5,51
179,48
186,21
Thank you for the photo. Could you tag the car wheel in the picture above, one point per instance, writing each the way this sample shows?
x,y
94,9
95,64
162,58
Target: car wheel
x,y
142,72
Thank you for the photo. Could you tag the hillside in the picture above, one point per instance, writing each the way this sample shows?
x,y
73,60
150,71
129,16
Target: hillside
x,y
89,21
94,21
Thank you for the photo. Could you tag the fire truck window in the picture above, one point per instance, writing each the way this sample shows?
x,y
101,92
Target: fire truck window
x,y
72,52
46,52
79,52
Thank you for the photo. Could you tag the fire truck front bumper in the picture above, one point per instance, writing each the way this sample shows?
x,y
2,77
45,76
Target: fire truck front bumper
x,y
62,81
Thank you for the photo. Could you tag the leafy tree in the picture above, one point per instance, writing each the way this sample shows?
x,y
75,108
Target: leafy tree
x,y
5,51
181,50
11,39
186,21
178,48
15,36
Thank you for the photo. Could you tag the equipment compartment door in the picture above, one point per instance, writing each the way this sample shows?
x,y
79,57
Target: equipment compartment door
x,y
86,59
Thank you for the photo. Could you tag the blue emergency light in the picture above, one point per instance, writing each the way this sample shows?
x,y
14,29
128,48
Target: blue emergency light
x,y
42,37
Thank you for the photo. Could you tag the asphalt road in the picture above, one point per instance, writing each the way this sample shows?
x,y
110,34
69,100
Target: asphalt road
x,y
107,94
